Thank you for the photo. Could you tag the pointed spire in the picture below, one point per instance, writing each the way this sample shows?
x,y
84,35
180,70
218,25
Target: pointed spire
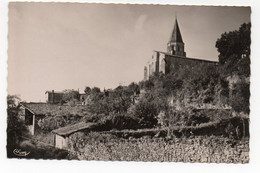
x,y
176,33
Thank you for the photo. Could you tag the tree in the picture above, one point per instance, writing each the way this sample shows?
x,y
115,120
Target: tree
x,y
234,56
172,85
87,90
95,90
146,110
234,49
15,126
134,88
120,99
148,85
110,101
13,101
70,95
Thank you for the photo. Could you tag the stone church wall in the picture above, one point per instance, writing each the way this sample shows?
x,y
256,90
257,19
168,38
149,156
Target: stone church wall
x,y
174,63
165,63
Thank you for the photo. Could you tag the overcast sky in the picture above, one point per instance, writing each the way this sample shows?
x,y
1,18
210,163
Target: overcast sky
x,y
69,46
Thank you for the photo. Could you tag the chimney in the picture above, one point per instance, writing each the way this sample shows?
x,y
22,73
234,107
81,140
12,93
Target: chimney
x,y
52,93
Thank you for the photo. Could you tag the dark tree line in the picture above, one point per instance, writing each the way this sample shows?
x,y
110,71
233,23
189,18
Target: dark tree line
x,y
234,50
15,126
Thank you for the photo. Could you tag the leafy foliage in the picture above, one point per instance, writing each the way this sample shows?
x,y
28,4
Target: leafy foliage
x,y
95,90
15,126
118,122
50,123
87,90
13,101
112,101
70,95
133,88
146,110
240,97
234,49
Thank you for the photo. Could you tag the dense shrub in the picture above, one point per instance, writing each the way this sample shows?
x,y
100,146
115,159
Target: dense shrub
x,y
240,97
187,117
93,117
50,123
15,126
112,101
234,50
118,122
146,110
172,85
70,95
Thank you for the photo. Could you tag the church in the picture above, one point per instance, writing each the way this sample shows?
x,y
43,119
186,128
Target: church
x,y
174,58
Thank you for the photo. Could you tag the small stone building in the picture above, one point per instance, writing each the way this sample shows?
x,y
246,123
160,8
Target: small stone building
x,y
61,135
54,97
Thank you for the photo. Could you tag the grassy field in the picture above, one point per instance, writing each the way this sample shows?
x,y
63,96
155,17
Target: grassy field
x,y
193,149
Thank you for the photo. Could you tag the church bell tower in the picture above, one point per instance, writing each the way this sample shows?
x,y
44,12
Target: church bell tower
x,y
175,45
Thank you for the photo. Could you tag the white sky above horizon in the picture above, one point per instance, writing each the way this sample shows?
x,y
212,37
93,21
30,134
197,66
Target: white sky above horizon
x,y
70,45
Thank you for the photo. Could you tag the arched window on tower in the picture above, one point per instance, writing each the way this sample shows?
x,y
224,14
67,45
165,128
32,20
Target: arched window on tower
x,y
173,50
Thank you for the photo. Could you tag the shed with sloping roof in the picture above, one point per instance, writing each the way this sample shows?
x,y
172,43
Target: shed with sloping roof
x,y
32,113
62,134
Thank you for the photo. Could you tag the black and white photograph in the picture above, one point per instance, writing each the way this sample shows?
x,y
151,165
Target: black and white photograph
x,y
128,82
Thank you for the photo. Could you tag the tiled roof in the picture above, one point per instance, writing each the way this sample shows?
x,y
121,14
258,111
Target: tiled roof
x,y
176,33
54,109
55,92
65,131
176,56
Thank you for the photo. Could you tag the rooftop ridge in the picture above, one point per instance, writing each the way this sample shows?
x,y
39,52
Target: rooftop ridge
x,y
67,130
177,56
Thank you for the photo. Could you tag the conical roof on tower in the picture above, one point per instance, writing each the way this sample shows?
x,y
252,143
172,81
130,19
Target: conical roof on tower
x,y
176,33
